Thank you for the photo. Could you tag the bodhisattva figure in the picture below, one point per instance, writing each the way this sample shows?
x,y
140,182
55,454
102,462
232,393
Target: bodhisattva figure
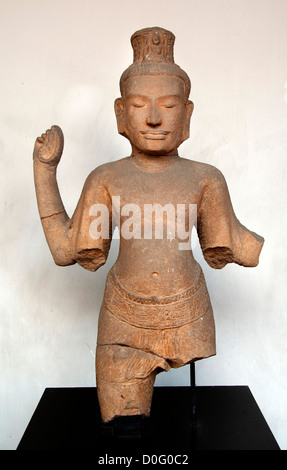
x,y
156,312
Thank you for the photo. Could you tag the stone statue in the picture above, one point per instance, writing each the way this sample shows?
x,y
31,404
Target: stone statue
x,y
156,312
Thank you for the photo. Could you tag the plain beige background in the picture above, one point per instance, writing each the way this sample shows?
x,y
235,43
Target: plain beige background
x,y
60,64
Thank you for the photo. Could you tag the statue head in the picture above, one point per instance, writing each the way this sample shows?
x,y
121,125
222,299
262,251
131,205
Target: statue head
x,y
154,110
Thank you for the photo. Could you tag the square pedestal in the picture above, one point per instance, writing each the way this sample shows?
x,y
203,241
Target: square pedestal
x,y
183,419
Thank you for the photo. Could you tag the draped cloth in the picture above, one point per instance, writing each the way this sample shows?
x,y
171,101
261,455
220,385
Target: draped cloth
x,y
141,336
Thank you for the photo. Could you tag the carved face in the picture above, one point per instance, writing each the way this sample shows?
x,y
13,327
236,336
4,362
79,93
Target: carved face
x,y
154,114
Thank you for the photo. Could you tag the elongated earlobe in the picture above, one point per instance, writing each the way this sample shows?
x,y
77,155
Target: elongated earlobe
x,y
119,111
189,111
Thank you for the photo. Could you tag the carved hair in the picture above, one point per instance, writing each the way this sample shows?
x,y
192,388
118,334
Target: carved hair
x,y
153,55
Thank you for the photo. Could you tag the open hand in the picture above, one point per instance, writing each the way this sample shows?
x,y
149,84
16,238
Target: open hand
x,y
49,147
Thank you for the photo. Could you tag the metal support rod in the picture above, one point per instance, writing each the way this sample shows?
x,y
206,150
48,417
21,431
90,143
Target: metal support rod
x,y
192,374
193,402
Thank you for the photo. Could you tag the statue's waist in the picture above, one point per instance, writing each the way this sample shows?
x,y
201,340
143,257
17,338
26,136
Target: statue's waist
x,y
156,312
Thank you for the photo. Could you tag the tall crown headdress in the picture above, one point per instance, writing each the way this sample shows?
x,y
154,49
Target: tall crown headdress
x,y
153,55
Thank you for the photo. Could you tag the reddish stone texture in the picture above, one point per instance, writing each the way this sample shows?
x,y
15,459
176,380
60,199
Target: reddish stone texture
x,y
156,312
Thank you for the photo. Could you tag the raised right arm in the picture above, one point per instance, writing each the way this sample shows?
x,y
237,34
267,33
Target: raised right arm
x,y
56,224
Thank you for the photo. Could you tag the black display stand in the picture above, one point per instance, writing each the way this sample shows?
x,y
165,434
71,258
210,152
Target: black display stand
x,y
183,419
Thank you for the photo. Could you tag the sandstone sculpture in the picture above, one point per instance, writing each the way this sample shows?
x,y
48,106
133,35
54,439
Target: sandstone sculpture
x,y
156,313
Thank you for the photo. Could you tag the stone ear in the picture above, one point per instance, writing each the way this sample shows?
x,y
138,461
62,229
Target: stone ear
x,y
189,111
119,111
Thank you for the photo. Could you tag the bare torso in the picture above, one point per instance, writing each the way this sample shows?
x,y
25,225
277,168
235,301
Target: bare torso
x,y
163,264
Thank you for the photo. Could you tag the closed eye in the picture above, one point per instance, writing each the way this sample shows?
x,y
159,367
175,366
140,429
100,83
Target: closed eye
x,y
170,101
138,105
170,105
137,102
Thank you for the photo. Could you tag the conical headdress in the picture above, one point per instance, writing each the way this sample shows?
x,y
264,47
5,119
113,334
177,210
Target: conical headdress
x,y
153,55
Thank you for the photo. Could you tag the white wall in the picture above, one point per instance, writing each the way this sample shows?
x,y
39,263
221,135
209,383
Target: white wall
x,y
60,64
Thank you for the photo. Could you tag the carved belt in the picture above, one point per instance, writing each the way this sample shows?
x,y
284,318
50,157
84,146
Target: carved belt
x,y
156,312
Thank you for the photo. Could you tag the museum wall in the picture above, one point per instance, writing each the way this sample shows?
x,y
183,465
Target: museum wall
x,y
60,64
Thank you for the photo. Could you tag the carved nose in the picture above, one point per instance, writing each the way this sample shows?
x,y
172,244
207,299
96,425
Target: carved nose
x,y
154,118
